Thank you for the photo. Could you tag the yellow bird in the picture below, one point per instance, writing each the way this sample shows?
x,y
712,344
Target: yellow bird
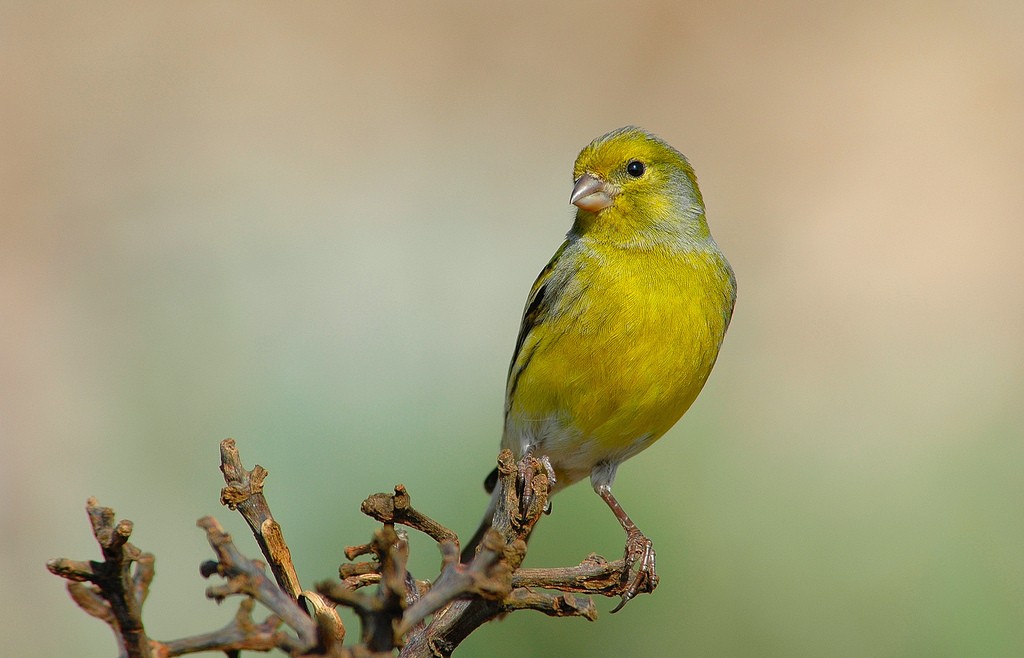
x,y
622,327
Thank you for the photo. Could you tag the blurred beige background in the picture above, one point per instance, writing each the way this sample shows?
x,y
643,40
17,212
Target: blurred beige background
x,y
312,227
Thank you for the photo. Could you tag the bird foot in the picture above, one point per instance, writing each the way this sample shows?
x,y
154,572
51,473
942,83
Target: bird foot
x,y
640,565
526,474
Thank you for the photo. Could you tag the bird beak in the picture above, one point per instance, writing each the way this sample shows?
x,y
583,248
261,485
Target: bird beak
x,y
591,194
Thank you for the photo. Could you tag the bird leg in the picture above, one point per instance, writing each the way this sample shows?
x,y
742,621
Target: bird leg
x,y
640,557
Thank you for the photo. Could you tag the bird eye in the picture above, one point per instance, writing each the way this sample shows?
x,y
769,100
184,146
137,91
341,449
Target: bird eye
x,y
635,168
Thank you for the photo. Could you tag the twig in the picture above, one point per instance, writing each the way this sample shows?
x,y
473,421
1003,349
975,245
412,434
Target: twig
x,y
421,619
397,508
594,575
114,585
513,521
562,605
244,492
330,630
352,552
488,576
245,576
241,633
378,612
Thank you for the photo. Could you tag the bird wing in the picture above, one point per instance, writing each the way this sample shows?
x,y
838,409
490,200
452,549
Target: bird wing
x,y
539,299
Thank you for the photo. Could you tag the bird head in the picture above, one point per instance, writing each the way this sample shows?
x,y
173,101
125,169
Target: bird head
x,y
633,188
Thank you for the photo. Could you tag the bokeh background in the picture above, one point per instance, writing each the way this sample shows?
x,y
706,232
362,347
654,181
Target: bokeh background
x,y
312,227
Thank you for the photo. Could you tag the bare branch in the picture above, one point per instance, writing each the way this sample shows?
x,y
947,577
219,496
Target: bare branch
x,y
419,618
241,633
352,552
244,492
112,579
89,599
516,513
594,575
330,630
562,605
397,509
488,576
381,611
245,576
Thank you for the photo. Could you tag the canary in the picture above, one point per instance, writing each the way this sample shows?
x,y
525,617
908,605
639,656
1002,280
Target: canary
x,y
621,328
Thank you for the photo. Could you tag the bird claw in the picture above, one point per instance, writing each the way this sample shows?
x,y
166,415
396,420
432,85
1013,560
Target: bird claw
x,y
526,473
640,567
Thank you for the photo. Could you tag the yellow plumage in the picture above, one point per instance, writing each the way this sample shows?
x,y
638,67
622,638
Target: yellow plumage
x,y
623,326
618,358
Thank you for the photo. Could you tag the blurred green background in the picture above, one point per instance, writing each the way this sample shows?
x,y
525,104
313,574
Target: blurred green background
x,y
312,227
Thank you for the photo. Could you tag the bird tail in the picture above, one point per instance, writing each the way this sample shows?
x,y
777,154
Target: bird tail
x,y
469,550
